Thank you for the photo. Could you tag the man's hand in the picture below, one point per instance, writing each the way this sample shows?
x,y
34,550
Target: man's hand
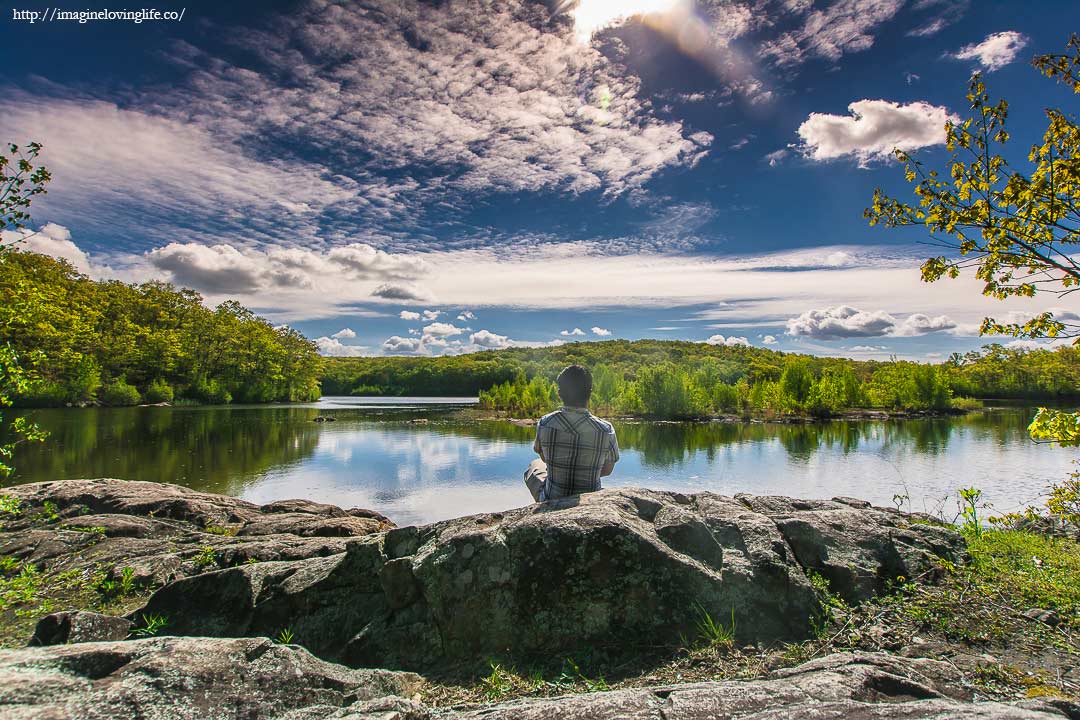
x,y
609,467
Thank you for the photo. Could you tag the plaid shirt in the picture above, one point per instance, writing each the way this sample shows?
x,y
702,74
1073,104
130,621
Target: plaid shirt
x,y
575,445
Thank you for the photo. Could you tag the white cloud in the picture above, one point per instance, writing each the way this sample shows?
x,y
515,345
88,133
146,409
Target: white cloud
x,y
400,345
575,331
844,321
409,315
873,130
430,315
843,27
466,316
131,174
920,324
490,340
1027,344
227,269
440,329
347,333
730,341
776,156
333,347
994,52
602,332
769,340
53,240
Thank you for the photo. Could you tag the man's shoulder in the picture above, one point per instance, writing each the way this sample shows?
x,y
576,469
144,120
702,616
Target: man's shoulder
x,y
547,419
604,424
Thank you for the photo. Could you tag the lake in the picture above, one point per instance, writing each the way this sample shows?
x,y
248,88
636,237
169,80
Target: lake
x,y
413,460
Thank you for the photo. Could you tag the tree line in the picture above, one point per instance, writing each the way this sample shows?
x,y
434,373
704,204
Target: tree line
x,y
108,342
675,379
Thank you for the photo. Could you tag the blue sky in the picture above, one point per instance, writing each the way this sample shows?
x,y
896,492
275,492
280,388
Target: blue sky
x,y
438,177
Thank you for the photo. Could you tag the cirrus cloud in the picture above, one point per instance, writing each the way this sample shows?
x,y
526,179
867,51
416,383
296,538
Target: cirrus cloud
x,y
995,52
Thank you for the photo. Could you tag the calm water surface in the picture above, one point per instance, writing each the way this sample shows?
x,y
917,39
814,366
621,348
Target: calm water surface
x,y
410,459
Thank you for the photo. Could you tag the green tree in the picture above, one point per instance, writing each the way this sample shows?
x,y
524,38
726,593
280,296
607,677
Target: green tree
x,y
20,182
1017,229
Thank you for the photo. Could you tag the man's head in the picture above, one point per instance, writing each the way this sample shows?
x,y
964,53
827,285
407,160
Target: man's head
x,y
575,386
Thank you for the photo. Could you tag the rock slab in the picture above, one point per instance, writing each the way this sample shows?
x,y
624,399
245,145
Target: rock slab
x,y
215,679
614,567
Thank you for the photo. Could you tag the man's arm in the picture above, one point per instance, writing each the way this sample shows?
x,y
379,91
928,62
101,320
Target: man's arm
x,y
536,445
612,456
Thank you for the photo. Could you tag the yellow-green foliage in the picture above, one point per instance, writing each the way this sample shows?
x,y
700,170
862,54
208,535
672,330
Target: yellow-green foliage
x,y
115,342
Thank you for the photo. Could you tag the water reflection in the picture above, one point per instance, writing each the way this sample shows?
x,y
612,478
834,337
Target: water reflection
x,y
415,462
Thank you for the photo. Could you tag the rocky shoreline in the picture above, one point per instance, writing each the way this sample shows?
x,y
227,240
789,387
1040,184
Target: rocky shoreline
x,y
199,605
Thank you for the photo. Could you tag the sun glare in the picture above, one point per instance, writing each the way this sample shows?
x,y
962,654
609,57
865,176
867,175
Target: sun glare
x,y
591,16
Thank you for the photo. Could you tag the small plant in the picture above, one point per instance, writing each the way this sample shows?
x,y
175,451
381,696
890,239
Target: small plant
x,y
205,557
49,512
597,685
10,505
969,510
220,530
8,565
713,633
498,683
900,499
285,637
127,581
97,531
151,625
831,603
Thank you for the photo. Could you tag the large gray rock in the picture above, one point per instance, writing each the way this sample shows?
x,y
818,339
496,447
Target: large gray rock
x,y
210,678
162,531
78,626
842,686
181,678
617,566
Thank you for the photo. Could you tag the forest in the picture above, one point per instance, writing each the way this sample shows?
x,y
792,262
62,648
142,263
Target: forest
x,y
677,379
112,343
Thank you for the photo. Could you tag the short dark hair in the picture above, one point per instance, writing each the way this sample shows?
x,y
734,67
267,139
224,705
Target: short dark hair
x,y
575,385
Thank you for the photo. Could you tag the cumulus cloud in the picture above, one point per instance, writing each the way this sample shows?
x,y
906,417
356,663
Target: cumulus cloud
x,y
489,340
53,240
466,316
602,332
994,52
402,345
844,321
440,329
730,341
409,315
333,347
225,268
402,291
920,324
430,315
873,130
769,340
347,333
575,331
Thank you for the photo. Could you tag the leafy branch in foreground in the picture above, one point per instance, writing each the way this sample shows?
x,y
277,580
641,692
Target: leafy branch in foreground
x,y
1017,230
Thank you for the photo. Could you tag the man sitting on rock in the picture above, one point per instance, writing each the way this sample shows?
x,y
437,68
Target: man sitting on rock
x,y
576,448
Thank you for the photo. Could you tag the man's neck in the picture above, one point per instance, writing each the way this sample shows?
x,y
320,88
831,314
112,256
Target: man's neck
x,y
578,408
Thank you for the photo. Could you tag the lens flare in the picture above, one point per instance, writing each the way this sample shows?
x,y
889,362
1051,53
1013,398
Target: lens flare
x,y
591,16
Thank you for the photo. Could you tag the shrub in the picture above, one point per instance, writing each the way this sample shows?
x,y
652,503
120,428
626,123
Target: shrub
x,y
119,393
158,391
